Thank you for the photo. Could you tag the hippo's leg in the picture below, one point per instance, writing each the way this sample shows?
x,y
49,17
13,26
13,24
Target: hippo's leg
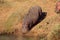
x,y
27,28
30,25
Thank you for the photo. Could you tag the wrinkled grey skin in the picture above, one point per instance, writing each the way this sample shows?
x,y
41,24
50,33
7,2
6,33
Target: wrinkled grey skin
x,y
31,18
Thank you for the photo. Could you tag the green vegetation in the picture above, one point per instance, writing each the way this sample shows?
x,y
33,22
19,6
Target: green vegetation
x,y
4,3
55,33
21,0
20,11
12,20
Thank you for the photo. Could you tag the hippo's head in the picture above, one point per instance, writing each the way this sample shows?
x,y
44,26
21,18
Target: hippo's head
x,y
24,28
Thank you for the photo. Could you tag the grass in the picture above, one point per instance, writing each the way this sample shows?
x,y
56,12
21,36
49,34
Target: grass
x,y
4,3
18,16
12,20
55,33
21,0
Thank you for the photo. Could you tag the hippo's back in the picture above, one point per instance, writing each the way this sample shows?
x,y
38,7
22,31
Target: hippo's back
x,y
31,18
34,13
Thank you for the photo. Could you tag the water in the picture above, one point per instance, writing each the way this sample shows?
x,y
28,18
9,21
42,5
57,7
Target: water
x,y
7,37
12,37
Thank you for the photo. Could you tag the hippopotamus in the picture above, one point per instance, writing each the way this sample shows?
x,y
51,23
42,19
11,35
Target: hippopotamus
x,y
31,18
58,7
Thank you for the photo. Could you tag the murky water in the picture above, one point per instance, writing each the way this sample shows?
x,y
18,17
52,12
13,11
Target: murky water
x,y
7,37
27,38
12,37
